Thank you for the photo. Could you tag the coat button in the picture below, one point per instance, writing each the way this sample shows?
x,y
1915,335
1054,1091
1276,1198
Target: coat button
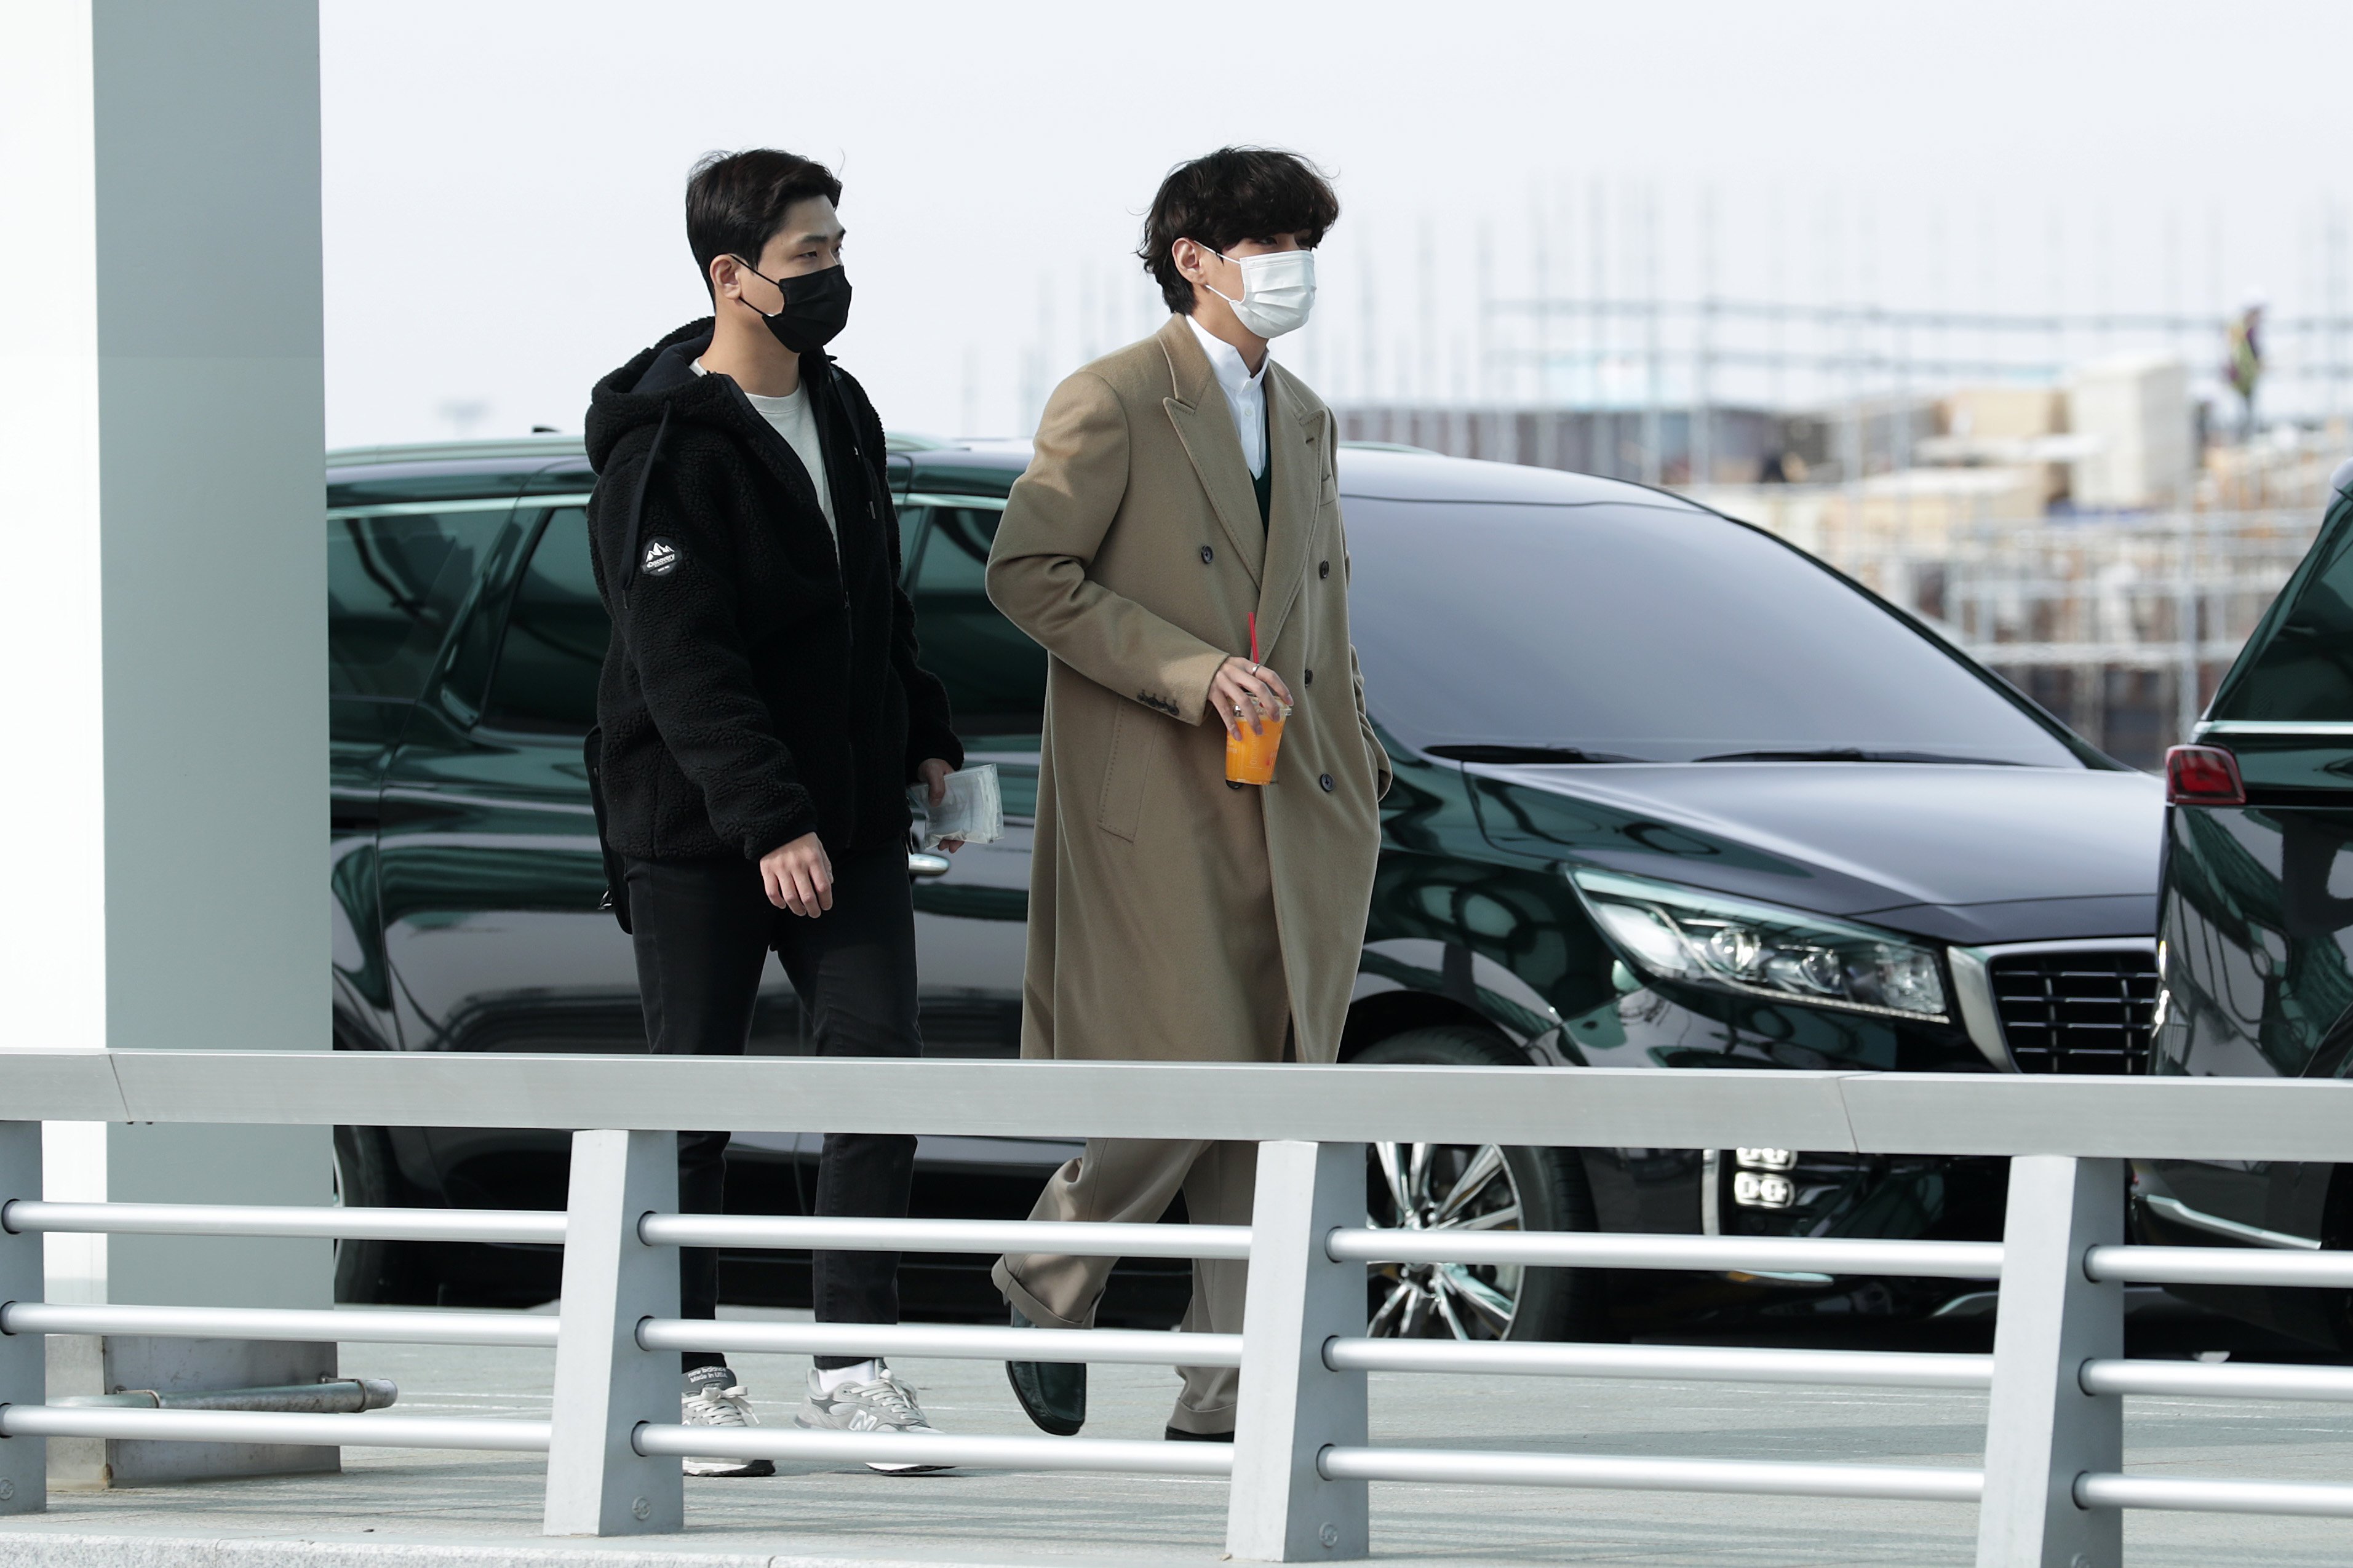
x,y
1326,781
1324,569
1310,679
1208,555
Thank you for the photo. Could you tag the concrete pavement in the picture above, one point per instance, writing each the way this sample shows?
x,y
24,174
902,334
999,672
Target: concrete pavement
x,y
402,1506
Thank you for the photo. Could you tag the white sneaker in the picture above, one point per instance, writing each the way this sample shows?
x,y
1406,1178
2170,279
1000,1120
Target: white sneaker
x,y
885,1405
714,1398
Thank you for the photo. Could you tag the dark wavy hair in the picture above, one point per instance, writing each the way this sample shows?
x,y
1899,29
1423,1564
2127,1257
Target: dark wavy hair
x,y
1232,194
736,201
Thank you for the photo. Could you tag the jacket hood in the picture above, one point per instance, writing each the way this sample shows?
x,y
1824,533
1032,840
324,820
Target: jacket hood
x,y
663,377
1967,854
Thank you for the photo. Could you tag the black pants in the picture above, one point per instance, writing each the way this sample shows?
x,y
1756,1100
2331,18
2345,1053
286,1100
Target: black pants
x,y
704,929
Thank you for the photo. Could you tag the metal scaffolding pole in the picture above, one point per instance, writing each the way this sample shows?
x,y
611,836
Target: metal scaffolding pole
x,y
1653,351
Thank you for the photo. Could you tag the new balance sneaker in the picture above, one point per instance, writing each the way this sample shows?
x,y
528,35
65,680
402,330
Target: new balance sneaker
x,y
883,1404
714,1398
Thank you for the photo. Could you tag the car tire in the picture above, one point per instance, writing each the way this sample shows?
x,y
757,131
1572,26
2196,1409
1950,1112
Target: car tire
x,y
1547,1185
370,1272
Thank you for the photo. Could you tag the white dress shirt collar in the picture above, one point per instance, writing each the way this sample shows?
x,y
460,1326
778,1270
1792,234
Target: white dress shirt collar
x,y
1245,392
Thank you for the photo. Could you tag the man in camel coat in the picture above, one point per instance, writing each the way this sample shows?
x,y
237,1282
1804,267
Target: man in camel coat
x,y
1179,487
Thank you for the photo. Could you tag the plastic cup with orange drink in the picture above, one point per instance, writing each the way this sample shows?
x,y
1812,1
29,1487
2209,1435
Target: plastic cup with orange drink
x,y
1251,747
1250,752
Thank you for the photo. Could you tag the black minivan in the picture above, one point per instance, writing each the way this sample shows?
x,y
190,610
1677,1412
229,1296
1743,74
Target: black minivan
x,y
1671,795
2257,927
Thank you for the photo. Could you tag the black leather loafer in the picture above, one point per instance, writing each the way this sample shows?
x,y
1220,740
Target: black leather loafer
x,y
1176,1435
1053,1393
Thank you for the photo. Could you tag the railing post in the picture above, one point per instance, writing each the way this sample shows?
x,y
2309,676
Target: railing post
x,y
2042,1429
24,1358
598,1483
1292,1406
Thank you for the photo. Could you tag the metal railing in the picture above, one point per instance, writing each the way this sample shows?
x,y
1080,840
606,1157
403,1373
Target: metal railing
x,y
2052,1488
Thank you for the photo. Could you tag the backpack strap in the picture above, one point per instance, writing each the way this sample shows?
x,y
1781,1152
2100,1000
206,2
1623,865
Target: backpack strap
x,y
860,433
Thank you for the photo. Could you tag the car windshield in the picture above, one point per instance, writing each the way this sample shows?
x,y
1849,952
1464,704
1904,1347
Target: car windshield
x,y
1617,633
2302,671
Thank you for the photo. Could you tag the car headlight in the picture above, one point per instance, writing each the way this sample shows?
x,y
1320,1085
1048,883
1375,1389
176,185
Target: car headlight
x,y
1682,933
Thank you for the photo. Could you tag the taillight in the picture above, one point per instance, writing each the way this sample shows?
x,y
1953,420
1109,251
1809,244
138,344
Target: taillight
x,y
2203,775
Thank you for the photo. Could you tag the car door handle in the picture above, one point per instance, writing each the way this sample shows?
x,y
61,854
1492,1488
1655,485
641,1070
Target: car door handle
x,y
923,863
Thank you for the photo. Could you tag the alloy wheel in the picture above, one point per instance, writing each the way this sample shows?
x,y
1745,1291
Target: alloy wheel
x,y
1443,1186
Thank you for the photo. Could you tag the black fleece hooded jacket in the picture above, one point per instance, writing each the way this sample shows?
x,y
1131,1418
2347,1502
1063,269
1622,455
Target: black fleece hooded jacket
x,y
761,683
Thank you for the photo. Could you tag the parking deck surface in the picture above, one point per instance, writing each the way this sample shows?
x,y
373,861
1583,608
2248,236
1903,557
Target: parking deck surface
x,y
392,1506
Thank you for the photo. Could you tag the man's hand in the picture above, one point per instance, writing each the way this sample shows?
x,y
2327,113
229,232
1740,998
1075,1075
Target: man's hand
x,y
1242,693
799,876
935,773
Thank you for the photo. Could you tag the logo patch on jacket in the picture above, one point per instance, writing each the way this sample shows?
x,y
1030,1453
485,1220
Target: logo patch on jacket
x,y
660,560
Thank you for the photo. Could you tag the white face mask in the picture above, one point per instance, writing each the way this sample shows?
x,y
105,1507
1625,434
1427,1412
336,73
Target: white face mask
x,y
1278,290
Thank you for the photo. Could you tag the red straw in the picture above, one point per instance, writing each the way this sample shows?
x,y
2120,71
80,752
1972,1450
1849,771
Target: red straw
x,y
1253,621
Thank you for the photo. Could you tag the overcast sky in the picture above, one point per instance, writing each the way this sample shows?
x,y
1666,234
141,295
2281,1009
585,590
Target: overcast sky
x,y
503,180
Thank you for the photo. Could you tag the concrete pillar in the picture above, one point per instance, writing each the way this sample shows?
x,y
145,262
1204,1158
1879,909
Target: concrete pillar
x,y
164,767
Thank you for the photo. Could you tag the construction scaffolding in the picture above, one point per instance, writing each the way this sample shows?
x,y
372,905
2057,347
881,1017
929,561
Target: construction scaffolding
x,y
1657,358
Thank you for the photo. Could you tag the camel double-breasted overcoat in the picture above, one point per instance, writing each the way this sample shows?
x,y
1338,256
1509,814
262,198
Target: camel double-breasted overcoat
x,y
1172,917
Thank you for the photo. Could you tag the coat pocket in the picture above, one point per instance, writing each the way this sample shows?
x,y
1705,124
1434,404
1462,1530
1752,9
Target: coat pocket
x,y
1134,745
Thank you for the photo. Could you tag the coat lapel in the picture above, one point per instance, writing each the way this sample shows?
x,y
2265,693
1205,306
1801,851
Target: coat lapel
x,y
1205,424
1295,447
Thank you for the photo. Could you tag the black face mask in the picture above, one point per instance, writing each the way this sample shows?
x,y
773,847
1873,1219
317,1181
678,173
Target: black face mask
x,y
816,306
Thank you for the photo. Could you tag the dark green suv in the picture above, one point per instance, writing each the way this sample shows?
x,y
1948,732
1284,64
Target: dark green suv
x,y
1669,794
2258,927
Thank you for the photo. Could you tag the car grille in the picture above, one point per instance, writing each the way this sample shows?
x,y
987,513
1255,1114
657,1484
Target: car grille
x,y
2076,1012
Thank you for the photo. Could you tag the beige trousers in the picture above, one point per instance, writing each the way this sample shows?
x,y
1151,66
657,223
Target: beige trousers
x,y
1134,1179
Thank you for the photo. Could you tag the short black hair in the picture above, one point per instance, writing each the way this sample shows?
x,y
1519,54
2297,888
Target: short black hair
x,y
1232,194
736,201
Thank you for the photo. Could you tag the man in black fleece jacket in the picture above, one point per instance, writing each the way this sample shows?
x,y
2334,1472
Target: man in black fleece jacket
x,y
761,715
